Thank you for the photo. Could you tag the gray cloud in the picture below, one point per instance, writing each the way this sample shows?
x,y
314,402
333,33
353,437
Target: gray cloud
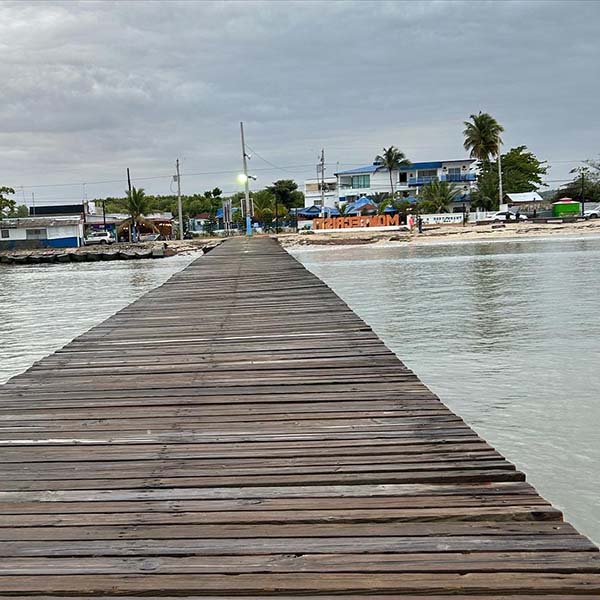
x,y
93,87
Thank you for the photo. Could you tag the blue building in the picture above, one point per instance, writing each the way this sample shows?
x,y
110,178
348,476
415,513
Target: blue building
x,y
41,232
369,180
407,181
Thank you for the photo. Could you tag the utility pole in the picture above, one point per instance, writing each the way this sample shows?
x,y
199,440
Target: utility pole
x,y
130,198
582,171
582,192
276,213
247,208
179,207
33,203
500,178
322,169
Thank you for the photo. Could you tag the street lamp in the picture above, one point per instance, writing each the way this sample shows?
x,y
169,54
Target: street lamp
x,y
244,178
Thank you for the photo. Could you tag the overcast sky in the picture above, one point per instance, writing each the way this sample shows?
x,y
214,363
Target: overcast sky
x,y
90,88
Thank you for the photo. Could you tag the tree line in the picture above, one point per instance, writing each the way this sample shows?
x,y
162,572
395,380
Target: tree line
x,y
276,199
521,171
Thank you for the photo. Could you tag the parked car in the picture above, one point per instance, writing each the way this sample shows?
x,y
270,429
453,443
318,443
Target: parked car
x,y
507,215
592,213
99,237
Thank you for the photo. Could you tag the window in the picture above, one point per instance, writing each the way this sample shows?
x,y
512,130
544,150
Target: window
x,y
428,173
4,233
361,181
453,174
36,234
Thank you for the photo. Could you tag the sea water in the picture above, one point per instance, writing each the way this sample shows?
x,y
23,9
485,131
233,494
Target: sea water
x,y
507,334
45,306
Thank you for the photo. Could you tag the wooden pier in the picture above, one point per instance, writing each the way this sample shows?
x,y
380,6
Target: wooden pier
x,y
240,432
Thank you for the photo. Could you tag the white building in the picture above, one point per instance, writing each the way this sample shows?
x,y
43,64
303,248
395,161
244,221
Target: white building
x,y
312,192
374,178
41,232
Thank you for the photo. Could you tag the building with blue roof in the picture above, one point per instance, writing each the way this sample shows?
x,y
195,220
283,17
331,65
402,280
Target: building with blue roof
x,y
350,185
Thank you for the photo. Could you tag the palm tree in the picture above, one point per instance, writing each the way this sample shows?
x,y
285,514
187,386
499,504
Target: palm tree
x,y
264,209
392,159
484,196
483,141
136,205
436,196
343,208
379,197
383,205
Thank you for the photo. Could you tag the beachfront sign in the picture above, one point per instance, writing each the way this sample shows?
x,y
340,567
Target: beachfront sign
x,y
363,222
443,219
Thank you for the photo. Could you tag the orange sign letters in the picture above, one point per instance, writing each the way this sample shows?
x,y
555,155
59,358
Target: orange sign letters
x,y
350,222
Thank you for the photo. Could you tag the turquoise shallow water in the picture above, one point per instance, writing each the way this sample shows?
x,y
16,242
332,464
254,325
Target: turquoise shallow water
x,y
507,334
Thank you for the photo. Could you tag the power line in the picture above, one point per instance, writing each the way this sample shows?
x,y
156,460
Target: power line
x,y
273,166
376,187
265,160
170,176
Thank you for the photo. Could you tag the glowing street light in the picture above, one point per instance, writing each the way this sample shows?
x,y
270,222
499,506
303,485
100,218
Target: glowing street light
x,y
244,178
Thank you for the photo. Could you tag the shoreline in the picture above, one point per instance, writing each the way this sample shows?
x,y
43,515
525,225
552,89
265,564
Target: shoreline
x,y
116,251
448,234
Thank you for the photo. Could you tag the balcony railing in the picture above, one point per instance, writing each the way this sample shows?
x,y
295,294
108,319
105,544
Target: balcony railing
x,y
422,180
451,177
458,177
345,186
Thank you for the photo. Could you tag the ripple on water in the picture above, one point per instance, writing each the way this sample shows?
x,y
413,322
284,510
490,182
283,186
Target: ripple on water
x,y
507,334
43,307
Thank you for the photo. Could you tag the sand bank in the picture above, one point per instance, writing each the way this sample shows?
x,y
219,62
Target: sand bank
x,y
445,233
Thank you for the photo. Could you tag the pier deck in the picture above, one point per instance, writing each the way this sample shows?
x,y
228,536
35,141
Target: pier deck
x,y
212,440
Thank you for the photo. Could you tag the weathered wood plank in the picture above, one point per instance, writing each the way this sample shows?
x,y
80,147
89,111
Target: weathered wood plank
x,y
479,562
367,583
207,442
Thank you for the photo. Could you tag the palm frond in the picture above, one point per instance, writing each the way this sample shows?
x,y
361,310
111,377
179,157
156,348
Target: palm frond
x,y
482,136
437,196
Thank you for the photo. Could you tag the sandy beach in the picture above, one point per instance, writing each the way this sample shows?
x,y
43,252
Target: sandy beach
x,y
444,233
